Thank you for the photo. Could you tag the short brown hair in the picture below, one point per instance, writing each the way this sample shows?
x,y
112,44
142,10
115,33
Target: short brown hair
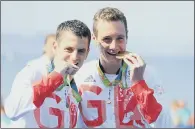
x,y
47,39
49,36
77,27
109,14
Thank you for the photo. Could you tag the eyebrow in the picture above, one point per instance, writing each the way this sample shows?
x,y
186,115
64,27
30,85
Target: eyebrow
x,y
121,35
111,36
84,49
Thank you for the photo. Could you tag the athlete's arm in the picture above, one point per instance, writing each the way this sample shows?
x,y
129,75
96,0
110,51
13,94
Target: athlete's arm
x,y
149,106
26,96
153,95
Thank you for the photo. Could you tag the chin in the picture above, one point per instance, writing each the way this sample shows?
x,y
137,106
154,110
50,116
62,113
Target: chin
x,y
113,60
80,65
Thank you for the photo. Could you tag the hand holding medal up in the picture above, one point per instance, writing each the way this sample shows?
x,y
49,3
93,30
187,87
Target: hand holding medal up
x,y
136,63
65,68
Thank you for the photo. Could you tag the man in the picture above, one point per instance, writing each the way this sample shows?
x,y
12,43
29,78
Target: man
x,y
180,113
48,46
115,89
44,94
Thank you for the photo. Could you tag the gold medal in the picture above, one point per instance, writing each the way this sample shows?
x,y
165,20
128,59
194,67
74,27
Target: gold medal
x,y
108,101
122,54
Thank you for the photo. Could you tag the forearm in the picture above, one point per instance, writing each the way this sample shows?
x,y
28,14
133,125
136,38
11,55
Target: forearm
x,y
45,87
149,106
19,102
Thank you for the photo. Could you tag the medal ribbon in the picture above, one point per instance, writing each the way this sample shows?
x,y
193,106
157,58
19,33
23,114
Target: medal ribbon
x,y
118,79
68,81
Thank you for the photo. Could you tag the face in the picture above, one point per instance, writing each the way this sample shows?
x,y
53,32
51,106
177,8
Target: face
x,y
72,48
111,37
48,47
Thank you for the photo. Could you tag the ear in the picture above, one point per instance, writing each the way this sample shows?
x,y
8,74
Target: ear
x,y
44,48
95,39
93,36
54,46
87,53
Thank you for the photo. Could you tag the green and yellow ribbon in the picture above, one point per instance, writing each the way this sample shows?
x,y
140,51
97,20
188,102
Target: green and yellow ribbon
x,y
118,79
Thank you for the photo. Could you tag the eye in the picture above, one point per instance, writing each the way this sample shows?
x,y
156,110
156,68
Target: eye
x,y
107,39
68,50
120,39
81,50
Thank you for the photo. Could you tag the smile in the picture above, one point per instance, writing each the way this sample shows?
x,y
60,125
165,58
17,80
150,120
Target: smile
x,y
76,64
112,54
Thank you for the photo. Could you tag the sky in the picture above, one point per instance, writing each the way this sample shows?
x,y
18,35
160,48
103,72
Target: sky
x,y
151,24
157,29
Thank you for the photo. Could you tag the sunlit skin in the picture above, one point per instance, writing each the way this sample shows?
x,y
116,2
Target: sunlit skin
x,y
48,47
112,39
71,48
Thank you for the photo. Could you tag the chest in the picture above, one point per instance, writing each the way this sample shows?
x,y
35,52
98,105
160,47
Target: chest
x,y
59,110
102,105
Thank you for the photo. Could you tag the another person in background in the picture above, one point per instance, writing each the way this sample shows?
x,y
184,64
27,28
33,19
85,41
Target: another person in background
x,y
44,94
48,53
48,46
183,114
180,114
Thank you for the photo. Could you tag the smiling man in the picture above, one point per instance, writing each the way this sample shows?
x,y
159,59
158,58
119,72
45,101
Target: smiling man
x,y
116,90
44,94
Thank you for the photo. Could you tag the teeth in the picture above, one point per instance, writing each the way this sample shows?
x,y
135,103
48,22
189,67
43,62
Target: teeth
x,y
112,52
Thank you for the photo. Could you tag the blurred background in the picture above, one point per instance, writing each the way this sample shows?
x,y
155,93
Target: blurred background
x,y
162,32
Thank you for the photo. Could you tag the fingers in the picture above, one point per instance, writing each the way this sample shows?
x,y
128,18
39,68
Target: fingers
x,y
74,66
134,59
130,61
71,69
122,54
138,58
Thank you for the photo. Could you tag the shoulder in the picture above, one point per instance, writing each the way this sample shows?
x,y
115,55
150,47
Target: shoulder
x,y
89,65
150,75
153,79
35,62
29,70
88,69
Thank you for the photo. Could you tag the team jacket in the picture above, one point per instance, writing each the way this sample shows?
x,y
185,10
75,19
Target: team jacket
x,y
138,106
34,102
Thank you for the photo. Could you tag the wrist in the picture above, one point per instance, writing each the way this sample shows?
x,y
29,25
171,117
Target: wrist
x,y
139,87
62,73
54,74
134,82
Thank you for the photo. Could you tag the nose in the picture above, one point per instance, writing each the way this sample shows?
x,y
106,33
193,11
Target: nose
x,y
113,45
74,57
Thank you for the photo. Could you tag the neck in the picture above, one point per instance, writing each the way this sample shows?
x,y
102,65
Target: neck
x,y
48,56
110,67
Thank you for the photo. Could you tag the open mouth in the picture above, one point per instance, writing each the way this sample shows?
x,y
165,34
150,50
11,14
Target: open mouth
x,y
121,54
76,64
112,53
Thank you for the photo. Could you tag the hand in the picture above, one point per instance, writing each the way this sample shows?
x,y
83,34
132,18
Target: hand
x,y
65,68
137,66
